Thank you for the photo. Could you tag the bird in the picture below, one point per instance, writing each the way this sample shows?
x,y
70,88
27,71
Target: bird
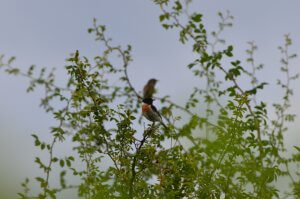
x,y
150,112
149,88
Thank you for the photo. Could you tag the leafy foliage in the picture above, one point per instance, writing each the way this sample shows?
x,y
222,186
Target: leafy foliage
x,y
235,149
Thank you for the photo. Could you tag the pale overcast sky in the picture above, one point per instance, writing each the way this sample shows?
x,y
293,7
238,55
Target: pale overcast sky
x,y
46,32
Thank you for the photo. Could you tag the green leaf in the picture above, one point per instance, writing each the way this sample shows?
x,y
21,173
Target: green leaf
x,y
228,51
36,140
39,179
197,17
166,26
62,163
191,65
298,148
161,18
11,60
68,162
13,71
90,30
22,195
71,158
178,6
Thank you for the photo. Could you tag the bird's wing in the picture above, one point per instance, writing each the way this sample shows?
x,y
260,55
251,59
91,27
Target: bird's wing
x,y
156,111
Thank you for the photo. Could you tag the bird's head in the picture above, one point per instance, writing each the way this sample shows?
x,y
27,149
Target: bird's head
x,y
152,81
148,101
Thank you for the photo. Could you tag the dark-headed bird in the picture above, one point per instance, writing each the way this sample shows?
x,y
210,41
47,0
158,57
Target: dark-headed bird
x,y
150,112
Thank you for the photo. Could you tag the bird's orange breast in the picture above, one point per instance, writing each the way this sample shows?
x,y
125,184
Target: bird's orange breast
x,y
146,107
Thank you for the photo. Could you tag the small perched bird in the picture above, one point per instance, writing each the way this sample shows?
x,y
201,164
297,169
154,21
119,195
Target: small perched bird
x,y
150,112
149,88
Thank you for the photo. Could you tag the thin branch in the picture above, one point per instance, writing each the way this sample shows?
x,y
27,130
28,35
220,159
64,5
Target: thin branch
x,y
175,105
133,171
51,150
123,55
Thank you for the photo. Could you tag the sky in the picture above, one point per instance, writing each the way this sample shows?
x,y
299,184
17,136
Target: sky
x,y
44,33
